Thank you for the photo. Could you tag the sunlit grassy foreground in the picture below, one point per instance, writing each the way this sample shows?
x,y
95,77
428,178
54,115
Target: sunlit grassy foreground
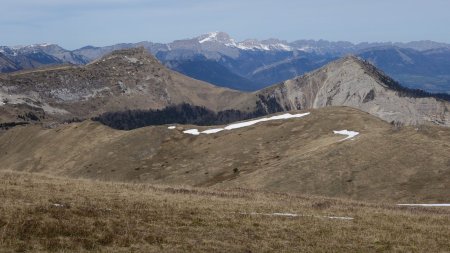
x,y
43,213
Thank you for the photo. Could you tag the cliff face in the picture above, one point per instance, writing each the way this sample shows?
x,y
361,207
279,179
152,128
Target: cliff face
x,y
355,83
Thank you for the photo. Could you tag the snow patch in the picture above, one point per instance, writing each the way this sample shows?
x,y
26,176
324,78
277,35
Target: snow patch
x,y
192,131
350,134
283,47
255,45
285,214
300,215
426,205
339,218
212,131
172,127
211,36
246,123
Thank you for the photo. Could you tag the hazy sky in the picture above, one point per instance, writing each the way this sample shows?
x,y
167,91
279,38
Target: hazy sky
x,y
76,23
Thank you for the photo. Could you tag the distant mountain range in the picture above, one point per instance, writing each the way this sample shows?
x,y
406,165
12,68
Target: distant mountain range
x,y
131,82
253,64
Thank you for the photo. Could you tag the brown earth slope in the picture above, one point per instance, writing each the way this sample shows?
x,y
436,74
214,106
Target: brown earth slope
x,y
296,155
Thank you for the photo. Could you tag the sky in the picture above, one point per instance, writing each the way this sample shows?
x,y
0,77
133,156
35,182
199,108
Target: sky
x,y
77,23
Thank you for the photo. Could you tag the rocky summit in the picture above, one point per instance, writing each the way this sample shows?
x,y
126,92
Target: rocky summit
x,y
353,82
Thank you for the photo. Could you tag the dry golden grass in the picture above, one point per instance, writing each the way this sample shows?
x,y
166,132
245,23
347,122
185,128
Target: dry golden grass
x,y
40,213
294,156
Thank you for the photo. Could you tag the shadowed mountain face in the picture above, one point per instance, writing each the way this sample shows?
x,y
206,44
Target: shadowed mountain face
x,y
382,163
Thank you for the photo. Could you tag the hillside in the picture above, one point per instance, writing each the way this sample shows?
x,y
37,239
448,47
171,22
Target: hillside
x,y
55,214
127,79
352,82
40,213
132,79
302,155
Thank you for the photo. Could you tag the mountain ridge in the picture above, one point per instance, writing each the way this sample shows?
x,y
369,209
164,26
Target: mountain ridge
x,y
132,79
352,82
245,65
129,78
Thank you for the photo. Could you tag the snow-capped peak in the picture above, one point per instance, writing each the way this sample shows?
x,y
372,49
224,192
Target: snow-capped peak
x,y
251,44
219,37
212,36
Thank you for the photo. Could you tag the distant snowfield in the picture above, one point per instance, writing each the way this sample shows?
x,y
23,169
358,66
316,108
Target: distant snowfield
x,y
245,123
172,127
426,205
350,134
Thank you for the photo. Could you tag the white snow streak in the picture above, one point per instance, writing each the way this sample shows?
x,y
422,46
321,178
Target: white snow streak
x,y
285,214
172,127
192,131
245,123
426,205
339,218
300,215
211,36
350,134
212,131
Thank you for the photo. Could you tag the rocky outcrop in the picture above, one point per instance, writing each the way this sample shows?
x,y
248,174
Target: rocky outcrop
x,y
355,83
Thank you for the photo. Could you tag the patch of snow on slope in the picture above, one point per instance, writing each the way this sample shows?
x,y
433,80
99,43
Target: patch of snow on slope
x,y
212,131
426,205
350,134
254,45
172,127
192,131
300,215
283,47
339,218
277,117
211,36
246,123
